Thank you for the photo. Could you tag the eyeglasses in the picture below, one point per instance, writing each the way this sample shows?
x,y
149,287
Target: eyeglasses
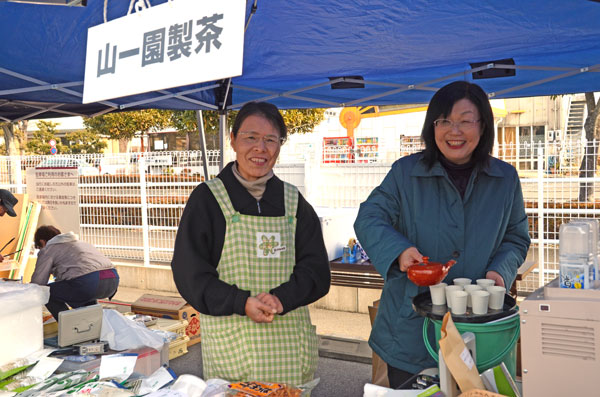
x,y
251,139
463,125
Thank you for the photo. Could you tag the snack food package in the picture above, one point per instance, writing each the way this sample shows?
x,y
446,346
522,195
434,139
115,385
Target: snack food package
x,y
262,389
268,389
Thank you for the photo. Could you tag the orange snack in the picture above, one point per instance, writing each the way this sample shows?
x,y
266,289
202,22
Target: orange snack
x,y
263,389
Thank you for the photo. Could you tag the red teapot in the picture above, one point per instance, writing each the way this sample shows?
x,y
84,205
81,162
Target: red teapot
x,y
428,273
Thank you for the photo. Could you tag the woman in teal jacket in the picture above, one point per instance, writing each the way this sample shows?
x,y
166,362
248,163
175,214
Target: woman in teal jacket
x,y
451,201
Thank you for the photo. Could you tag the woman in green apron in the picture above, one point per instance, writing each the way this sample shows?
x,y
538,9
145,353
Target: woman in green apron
x,y
249,256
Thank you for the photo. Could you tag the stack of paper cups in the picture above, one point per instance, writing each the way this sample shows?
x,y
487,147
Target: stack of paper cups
x,y
480,301
449,290
438,293
469,289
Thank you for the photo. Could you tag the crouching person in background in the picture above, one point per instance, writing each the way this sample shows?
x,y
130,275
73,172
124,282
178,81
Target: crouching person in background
x,y
81,272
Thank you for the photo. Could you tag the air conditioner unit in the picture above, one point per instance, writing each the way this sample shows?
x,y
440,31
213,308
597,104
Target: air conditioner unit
x,y
557,135
560,341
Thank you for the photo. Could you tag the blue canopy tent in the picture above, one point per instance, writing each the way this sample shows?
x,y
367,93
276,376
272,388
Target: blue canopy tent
x,y
325,53
295,50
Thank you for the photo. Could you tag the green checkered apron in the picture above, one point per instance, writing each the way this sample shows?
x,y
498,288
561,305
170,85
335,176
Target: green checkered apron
x,y
258,255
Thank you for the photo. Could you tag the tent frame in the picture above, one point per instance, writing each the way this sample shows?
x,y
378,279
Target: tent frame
x,y
39,85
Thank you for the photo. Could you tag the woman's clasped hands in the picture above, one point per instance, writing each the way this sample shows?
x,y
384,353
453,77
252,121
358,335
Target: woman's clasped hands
x,y
263,307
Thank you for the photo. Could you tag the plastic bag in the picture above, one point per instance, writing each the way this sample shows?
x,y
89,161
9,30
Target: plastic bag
x,y
122,333
59,382
16,297
189,385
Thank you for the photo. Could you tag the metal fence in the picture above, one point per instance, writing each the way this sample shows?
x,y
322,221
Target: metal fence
x,y
550,176
130,204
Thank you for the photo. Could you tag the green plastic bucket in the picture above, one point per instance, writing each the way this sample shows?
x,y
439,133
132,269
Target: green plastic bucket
x,y
495,342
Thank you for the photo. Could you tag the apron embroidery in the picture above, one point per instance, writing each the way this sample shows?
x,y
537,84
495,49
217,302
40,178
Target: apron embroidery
x,y
269,245
234,347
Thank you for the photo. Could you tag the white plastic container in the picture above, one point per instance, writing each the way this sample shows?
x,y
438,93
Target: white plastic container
x,y
576,238
594,229
21,325
575,274
593,243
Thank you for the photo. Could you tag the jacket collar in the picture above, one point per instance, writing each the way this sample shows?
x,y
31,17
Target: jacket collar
x,y
491,168
243,201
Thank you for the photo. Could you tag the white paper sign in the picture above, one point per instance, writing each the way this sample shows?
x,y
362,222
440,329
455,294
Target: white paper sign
x,y
173,44
45,367
57,190
117,366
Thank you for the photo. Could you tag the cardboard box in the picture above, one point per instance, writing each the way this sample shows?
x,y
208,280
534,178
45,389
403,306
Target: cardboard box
x,y
173,307
50,324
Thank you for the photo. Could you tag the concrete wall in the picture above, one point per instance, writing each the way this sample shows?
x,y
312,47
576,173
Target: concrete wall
x,y
153,278
160,278
348,299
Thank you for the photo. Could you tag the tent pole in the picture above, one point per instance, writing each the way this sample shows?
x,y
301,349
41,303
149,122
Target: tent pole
x,y
222,94
222,132
202,143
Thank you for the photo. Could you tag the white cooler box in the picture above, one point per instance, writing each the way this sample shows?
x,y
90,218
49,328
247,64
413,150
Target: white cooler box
x,y
21,325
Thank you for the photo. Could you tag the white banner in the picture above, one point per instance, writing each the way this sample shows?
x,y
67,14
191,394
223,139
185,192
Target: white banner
x,y
174,44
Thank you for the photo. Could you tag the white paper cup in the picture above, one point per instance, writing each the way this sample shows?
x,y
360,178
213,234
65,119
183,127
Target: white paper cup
x,y
462,281
470,288
496,297
459,301
480,299
448,289
485,282
438,293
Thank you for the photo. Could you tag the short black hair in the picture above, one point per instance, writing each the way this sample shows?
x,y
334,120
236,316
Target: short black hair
x,y
45,233
441,105
263,109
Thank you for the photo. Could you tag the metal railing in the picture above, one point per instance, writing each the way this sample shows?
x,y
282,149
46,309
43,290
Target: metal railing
x,y
131,205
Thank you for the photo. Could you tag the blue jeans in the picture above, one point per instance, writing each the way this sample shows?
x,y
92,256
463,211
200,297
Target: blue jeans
x,y
82,291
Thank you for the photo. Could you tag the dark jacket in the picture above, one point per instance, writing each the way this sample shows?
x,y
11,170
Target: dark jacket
x,y
200,239
417,206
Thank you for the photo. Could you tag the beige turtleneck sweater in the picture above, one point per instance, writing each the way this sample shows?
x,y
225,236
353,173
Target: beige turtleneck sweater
x,y
255,188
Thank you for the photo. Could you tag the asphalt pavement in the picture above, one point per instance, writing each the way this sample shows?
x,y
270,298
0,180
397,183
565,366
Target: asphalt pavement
x,y
337,377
